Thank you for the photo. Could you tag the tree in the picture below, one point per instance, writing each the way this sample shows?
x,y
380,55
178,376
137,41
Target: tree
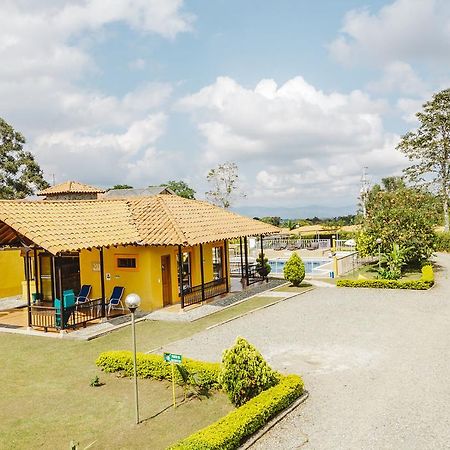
x,y
121,186
20,174
272,220
225,184
405,216
429,148
180,188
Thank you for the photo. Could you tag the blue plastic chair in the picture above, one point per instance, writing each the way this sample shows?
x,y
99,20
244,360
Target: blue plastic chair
x,y
116,298
83,296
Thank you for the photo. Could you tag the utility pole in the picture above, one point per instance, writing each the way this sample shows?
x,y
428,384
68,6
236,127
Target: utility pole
x,y
364,191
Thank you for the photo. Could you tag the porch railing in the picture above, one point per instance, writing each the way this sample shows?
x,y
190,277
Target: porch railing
x,y
211,289
253,275
49,317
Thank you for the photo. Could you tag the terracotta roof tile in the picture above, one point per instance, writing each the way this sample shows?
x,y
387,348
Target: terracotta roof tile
x,y
159,220
71,187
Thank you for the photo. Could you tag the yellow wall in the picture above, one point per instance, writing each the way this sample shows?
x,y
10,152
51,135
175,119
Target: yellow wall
x,y
146,279
11,273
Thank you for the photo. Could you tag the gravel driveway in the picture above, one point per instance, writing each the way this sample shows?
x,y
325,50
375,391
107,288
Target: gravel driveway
x,y
376,364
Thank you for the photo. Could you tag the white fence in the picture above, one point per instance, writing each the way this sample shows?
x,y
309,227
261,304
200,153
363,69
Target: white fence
x,y
288,243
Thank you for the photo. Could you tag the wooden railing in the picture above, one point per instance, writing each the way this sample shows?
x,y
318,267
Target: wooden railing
x,y
253,275
49,317
194,295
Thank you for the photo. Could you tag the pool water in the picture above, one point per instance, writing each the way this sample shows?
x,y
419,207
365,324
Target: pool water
x,y
277,265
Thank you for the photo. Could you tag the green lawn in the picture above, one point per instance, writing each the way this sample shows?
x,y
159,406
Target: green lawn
x,y
46,399
289,288
370,271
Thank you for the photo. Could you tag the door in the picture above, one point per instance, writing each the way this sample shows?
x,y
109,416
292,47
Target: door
x,y
46,279
166,280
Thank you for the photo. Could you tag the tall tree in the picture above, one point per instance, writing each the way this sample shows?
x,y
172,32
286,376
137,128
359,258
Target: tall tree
x,y
429,148
180,188
403,216
224,181
20,174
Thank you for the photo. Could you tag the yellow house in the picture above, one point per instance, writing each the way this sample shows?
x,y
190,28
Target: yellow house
x,y
165,248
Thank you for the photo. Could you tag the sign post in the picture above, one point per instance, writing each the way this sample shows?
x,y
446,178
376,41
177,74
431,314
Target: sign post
x,y
173,359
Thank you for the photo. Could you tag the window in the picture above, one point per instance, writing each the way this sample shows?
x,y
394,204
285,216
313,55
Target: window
x,y
186,267
218,262
126,262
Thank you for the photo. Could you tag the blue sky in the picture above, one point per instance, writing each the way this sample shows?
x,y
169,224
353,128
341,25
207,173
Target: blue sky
x,y
301,95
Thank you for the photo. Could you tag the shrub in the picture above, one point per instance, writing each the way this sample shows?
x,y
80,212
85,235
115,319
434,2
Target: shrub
x,y
442,241
393,261
425,282
245,373
263,266
200,373
294,270
229,432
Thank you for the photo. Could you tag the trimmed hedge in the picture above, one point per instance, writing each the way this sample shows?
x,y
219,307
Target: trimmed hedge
x,y
202,374
228,433
425,282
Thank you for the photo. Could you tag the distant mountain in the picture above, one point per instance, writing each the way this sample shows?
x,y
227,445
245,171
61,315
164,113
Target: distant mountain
x,y
301,212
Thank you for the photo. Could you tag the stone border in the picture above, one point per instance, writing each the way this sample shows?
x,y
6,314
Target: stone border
x,y
269,425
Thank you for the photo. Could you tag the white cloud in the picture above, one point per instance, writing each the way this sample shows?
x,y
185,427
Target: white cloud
x,y
399,77
137,64
405,30
74,130
293,139
104,157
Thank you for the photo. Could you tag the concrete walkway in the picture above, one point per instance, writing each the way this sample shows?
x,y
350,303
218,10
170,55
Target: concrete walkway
x,y
11,302
376,364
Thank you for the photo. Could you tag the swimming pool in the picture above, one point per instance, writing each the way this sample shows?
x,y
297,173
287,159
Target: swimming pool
x,y
277,264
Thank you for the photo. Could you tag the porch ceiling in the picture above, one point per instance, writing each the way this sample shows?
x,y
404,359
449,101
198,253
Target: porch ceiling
x,y
10,237
60,226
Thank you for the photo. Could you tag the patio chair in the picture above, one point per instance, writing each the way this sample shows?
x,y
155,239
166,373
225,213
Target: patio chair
x,y
69,301
83,295
116,299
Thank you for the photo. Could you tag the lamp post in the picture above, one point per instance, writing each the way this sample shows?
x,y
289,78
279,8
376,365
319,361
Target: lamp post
x,y
133,301
379,253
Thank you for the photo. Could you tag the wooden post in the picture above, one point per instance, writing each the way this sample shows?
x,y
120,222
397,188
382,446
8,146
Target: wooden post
x,y
180,274
102,282
35,255
262,257
202,272
242,258
225,257
27,276
61,291
246,260
53,277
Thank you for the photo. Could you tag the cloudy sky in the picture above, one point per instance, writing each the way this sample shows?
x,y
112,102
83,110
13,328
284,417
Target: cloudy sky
x,y
301,95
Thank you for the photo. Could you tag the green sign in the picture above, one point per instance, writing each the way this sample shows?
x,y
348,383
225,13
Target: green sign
x,y
172,358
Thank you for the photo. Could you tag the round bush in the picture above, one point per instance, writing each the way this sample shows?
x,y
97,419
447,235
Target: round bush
x,y
294,270
245,373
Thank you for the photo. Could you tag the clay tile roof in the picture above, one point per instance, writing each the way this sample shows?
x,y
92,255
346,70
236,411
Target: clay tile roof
x,y
159,220
71,187
70,225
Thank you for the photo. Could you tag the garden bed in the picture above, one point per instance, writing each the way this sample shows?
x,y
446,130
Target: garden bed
x,y
233,428
426,281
